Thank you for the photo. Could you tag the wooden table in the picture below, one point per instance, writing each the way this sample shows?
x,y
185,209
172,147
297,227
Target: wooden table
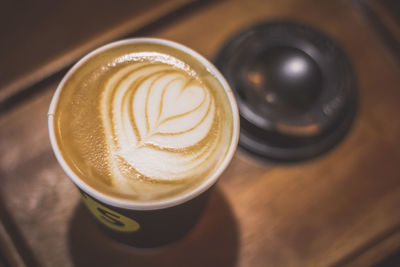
x,y
341,209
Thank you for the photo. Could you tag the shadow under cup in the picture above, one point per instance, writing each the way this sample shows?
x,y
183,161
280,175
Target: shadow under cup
x,y
148,224
214,241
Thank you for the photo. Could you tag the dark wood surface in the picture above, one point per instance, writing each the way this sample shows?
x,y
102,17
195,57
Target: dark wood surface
x,y
340,209
39,38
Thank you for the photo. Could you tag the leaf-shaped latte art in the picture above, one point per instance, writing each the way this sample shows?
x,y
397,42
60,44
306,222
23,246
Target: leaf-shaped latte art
x,y
160,123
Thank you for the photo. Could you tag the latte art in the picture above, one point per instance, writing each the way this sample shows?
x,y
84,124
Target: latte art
x,y
143,122
159,123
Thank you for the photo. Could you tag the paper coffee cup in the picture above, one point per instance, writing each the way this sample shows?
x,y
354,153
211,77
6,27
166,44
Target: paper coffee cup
x,y
139,222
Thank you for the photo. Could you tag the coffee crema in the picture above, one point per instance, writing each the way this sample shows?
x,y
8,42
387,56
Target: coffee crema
x,y
143,122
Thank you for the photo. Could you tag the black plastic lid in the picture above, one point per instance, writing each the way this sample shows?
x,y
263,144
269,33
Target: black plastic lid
x,y
296,90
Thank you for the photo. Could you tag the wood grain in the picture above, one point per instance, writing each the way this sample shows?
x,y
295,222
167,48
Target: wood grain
x,y
41,38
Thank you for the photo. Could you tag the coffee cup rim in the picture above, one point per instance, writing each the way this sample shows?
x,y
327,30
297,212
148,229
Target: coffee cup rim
x,y
157,204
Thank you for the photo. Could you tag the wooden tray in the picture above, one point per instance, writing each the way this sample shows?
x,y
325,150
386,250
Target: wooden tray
x,y
340,209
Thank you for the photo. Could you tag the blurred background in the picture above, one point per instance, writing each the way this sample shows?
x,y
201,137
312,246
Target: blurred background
x,y
341,208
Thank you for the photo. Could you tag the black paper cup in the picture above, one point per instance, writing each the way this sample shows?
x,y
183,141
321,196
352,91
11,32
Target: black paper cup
x,y
146,224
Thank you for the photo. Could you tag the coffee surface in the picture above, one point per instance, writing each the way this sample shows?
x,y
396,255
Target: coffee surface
x,y
143,122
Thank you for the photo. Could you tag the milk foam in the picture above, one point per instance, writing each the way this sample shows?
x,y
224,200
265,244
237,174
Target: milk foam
x,y
160,121
144,122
